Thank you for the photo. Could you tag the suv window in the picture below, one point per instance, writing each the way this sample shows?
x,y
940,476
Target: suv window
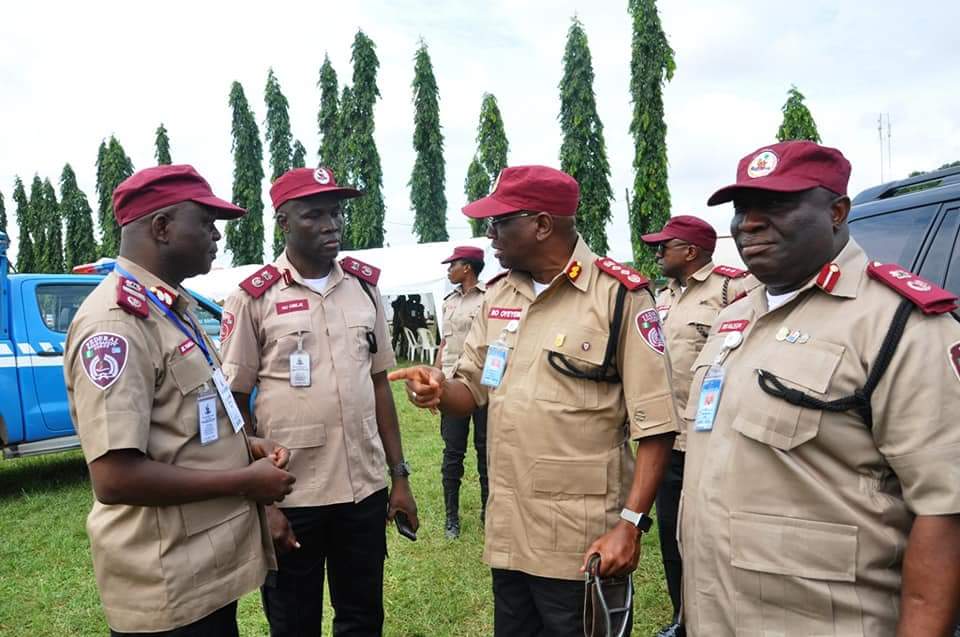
x,y
894,237
58,304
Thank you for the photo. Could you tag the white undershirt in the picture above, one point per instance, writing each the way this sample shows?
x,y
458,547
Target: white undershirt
x,y
538,288
317,285
776,300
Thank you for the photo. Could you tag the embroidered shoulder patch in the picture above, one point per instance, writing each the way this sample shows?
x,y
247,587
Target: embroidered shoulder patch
x,y
648,324
360,270
227,322
260,281
104,357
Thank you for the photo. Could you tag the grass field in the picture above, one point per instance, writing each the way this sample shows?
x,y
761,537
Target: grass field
x,y
433,587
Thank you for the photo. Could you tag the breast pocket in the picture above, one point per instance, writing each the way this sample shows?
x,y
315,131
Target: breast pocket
x,y
190,373
284,334
773,421
583,349
359,332
699,321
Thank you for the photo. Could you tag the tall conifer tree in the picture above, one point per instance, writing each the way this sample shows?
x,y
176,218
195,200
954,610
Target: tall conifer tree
x,y
651,65
3,215
245,235
80,246
583,154
491,156
36,221
797,120
53,229
162,144
113,166
428,181
279,139
327,117
299,156
25,252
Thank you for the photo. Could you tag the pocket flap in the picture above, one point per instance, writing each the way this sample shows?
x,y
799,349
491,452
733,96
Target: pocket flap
x,y
286,324
575,477
299,437
708,354
579,343
810,366
793,546
702,316
201,516
190,372
359,318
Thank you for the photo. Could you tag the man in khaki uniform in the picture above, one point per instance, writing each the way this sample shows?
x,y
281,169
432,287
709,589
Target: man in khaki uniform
x,y
311,335
821,495
460,307
688,305
176,531
568,355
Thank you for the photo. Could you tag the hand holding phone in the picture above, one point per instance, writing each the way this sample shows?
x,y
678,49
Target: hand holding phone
x,y
403,526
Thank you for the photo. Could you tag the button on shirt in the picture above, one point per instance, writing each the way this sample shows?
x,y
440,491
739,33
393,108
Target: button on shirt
x,y
459,309
560,463
794,521
331,426
159,567
687,314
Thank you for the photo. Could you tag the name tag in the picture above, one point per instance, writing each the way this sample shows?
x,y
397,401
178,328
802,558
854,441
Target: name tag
x,y
495,365
226,397
207,416
709,400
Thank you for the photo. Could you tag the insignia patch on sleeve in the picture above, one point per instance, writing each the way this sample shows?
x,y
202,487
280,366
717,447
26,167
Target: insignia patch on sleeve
x,y
104,357
954,354
648,324
227,322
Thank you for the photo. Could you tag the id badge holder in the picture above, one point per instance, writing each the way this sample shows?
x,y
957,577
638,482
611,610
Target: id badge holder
x,y
300,365
709,400
207,415
496,362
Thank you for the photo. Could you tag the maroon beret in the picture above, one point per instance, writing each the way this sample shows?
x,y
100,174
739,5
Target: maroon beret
x,y
687,228
151,189
534,188
465,252
303,182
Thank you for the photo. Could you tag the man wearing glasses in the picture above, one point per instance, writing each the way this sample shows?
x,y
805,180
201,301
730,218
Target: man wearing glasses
x,y
568,355
688,305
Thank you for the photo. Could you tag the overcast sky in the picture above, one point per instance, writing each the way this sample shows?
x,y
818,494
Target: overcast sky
x,y
73,73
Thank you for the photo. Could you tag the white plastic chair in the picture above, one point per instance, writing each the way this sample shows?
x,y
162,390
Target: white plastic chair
x,y
412,347
427,345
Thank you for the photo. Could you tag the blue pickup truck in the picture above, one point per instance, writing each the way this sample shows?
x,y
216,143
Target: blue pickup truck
x,y
35,312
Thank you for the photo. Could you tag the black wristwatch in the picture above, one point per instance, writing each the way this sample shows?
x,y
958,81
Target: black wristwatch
x,y
642,521
400,470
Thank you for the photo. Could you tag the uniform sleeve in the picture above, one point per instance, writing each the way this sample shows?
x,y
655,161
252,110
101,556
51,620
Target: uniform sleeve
x,y
384,359
915,409
644,367
110,376
240,342
469,366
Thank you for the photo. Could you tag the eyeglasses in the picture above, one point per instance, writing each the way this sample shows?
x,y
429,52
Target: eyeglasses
x,y
496,221
663,247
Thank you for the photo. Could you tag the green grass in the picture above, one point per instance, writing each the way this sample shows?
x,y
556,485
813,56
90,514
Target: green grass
x,y
433,587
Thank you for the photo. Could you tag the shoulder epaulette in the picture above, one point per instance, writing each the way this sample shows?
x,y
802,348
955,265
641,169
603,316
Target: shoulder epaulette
x,y
730,272
260,281
925,295
132,297
361,270
496,278
630,278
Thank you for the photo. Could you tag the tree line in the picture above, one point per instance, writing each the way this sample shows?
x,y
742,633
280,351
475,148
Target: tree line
x,y
345,129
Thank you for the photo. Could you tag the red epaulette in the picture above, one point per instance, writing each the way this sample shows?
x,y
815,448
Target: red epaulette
x,y
925,295
730,272
132,297
496,278
360,270
630,278
261,280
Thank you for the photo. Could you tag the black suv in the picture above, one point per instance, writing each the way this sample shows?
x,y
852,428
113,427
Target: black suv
x,y
913,223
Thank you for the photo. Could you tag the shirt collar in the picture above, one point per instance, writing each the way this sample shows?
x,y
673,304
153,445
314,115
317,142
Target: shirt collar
x,y
579,277
290,275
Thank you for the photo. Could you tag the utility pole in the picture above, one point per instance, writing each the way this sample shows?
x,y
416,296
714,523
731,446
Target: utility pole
x,y
889,151
880,135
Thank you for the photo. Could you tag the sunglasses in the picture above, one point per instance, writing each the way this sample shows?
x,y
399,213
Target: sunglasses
x,y
496,221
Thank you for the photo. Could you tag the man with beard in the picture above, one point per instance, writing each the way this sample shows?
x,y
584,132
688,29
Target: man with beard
x,y
821,494
310,333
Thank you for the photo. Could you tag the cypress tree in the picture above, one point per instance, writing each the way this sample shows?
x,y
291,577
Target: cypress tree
x,y
476,186
245,235
35,215
327,117
279,139
53,229
163,146
80,246
3,216
583,154
651,65
299,158
25,251
366,214
427,183
113,166
492,149
797,121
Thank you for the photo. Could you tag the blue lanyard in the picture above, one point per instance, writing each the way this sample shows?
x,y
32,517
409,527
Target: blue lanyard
x,y
196,337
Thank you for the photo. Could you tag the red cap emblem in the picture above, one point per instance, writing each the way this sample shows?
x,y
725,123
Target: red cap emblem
x,y
104,358
648,324
227,323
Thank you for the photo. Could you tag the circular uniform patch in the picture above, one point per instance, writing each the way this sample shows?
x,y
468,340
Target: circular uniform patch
x,y
227,322
648,324
321,176
763,164
104,357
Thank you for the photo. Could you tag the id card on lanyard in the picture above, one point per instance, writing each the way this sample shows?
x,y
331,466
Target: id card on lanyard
x,y
711,388
193,333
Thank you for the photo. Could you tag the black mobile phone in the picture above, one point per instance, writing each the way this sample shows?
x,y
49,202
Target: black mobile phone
x,y
403,526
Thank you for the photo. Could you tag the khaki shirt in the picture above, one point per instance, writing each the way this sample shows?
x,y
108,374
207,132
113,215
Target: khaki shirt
x,y
794,521
459,309
687,315
133,384
559,458
331,426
